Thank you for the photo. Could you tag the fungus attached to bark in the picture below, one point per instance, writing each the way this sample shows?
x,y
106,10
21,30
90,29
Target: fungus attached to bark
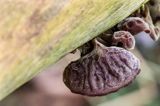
x,y
102,71
141,20
134,25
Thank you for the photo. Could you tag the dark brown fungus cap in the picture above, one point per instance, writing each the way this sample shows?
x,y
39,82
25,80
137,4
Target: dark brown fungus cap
x,y
155,30
102,71
123,38
134,25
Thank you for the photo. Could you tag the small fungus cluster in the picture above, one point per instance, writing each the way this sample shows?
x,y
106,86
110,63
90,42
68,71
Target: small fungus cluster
x,y
106,64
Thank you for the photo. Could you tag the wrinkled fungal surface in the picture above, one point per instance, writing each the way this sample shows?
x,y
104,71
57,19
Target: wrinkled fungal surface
x,y
149,23
124,38
102,71
134,25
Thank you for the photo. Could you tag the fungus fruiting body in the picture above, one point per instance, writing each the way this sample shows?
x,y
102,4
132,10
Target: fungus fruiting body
x,y
125,38
106,65
102,71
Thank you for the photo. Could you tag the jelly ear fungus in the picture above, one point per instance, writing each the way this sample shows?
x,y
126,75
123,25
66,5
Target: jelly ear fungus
x,y
140,21
123,39
102,71
105,67
134,25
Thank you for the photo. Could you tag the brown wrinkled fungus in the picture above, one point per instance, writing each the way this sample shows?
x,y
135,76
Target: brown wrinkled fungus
x,y
105,65
134,25
124,38
102,71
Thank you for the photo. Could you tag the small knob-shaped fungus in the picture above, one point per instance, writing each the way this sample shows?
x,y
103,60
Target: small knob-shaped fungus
x,y
124,38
